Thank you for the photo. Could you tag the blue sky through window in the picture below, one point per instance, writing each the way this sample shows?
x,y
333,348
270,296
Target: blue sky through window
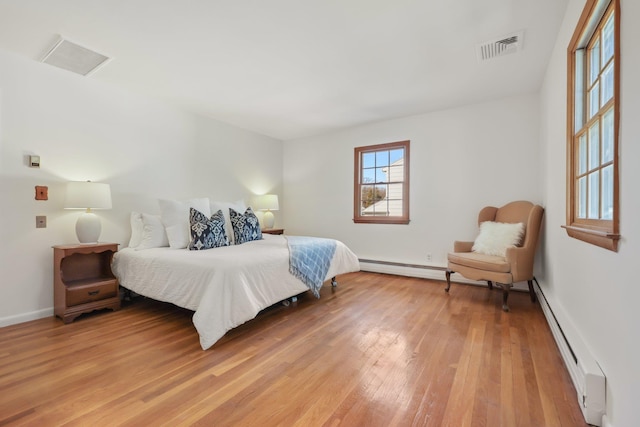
x,y
374,162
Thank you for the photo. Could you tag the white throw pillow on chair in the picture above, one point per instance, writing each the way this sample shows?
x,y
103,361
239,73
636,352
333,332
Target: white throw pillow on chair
x,y
496,237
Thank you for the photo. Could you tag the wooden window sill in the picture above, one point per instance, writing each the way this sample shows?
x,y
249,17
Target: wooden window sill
x,y
603,239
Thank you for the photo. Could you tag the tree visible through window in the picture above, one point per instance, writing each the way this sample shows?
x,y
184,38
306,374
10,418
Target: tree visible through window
x,y
592,145
381,183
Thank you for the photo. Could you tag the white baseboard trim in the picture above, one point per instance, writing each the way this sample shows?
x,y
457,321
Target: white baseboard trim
x,y
25,317
434,272
586,375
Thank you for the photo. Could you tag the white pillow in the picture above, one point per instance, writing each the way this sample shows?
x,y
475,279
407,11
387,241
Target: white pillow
x,y
175,217
136,229
238,206
153,233
496,237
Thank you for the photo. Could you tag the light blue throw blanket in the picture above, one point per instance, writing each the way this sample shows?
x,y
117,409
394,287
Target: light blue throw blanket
x,y
309,260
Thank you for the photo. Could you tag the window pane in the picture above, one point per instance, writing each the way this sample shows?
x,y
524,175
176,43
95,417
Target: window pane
x,y
607,136
607,192
381,175
607,40
594,146
594,62
607,84
368,160
382,158
582,155
396,173
395,192
594,195
370,195
582,197
395,155
579,89
368,176
594,100
395,207
381,206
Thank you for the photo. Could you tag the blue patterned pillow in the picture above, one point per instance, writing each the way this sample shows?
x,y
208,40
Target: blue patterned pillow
x,y
206,233
246,227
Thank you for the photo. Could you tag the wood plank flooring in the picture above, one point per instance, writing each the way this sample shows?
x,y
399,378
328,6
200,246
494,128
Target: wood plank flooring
x,y
379,350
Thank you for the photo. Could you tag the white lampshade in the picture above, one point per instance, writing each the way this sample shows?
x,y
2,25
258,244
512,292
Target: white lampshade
x,y
88,195
268,203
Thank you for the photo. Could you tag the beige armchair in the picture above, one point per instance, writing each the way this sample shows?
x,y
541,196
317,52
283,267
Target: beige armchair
x,y
515,266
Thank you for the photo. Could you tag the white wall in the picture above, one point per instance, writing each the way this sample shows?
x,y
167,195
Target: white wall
x,y
461,160
84,130
592,290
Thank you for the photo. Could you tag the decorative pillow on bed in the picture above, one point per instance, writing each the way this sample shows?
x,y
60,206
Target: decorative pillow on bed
x,y
207,233
153,233
175,217
238,206
246,227
496,237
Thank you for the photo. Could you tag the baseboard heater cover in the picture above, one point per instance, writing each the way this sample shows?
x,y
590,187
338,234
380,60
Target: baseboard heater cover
x,y
588,379
433,272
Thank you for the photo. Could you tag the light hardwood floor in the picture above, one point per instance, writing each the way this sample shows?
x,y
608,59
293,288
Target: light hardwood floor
x,y
379,350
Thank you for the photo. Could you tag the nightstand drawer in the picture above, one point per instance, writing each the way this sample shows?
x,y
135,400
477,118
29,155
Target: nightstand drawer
x,y
82,294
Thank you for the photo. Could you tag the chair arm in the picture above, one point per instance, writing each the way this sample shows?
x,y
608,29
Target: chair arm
x,y
521,261
462,246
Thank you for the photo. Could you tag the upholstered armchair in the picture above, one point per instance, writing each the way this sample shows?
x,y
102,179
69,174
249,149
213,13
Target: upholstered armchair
x,y
492,257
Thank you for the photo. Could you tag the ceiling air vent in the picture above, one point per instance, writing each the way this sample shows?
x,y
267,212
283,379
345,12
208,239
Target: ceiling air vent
x,y
72,57
506,45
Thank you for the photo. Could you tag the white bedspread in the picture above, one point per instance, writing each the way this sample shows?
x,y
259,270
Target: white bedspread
x,y
224,286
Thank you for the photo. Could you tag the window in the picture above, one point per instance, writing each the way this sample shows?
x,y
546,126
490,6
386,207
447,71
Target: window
x,y
592,125
381,183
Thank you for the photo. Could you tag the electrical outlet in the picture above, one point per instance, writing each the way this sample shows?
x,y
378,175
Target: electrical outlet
x,y
429,256
41,221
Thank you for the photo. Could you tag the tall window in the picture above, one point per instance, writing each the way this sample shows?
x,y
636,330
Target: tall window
x,y
381,183
592,122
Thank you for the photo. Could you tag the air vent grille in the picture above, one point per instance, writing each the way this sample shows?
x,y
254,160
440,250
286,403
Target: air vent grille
x,y
502,46
73,57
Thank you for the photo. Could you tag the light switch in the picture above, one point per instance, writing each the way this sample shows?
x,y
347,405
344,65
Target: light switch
x,y
41,221
34,161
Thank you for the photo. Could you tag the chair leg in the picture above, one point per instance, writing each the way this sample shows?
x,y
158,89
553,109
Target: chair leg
x,y
448,275
505,295
531,291
490,284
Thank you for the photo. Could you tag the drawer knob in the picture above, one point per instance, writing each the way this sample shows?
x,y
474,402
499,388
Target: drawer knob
x,y
93,292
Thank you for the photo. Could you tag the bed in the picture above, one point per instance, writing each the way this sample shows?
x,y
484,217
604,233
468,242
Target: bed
x,y
226,286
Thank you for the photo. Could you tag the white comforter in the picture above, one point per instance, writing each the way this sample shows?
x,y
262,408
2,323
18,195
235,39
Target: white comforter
x,y
224,286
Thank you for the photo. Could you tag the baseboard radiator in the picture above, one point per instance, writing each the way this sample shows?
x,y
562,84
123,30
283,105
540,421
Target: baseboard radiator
x,y
587,377
434,272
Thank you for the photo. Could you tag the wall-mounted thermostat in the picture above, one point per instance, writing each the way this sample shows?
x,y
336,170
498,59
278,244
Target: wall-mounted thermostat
x,y
34,161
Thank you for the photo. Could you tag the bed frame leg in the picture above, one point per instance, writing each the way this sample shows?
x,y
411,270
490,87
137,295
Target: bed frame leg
x,y
334,282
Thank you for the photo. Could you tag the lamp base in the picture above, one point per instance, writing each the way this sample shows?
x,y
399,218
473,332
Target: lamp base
x,y
88,228
269,219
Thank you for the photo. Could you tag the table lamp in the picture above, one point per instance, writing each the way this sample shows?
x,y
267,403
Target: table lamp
x,y
268,203
88,195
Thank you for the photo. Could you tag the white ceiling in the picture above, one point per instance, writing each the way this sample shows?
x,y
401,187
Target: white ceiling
x,y
295,68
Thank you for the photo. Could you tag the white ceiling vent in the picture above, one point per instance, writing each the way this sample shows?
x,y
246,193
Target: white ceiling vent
x,y
502,46
72,57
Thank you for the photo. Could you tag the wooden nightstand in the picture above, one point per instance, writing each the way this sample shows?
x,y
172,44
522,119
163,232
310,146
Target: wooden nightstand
x,y
273,230
82,279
